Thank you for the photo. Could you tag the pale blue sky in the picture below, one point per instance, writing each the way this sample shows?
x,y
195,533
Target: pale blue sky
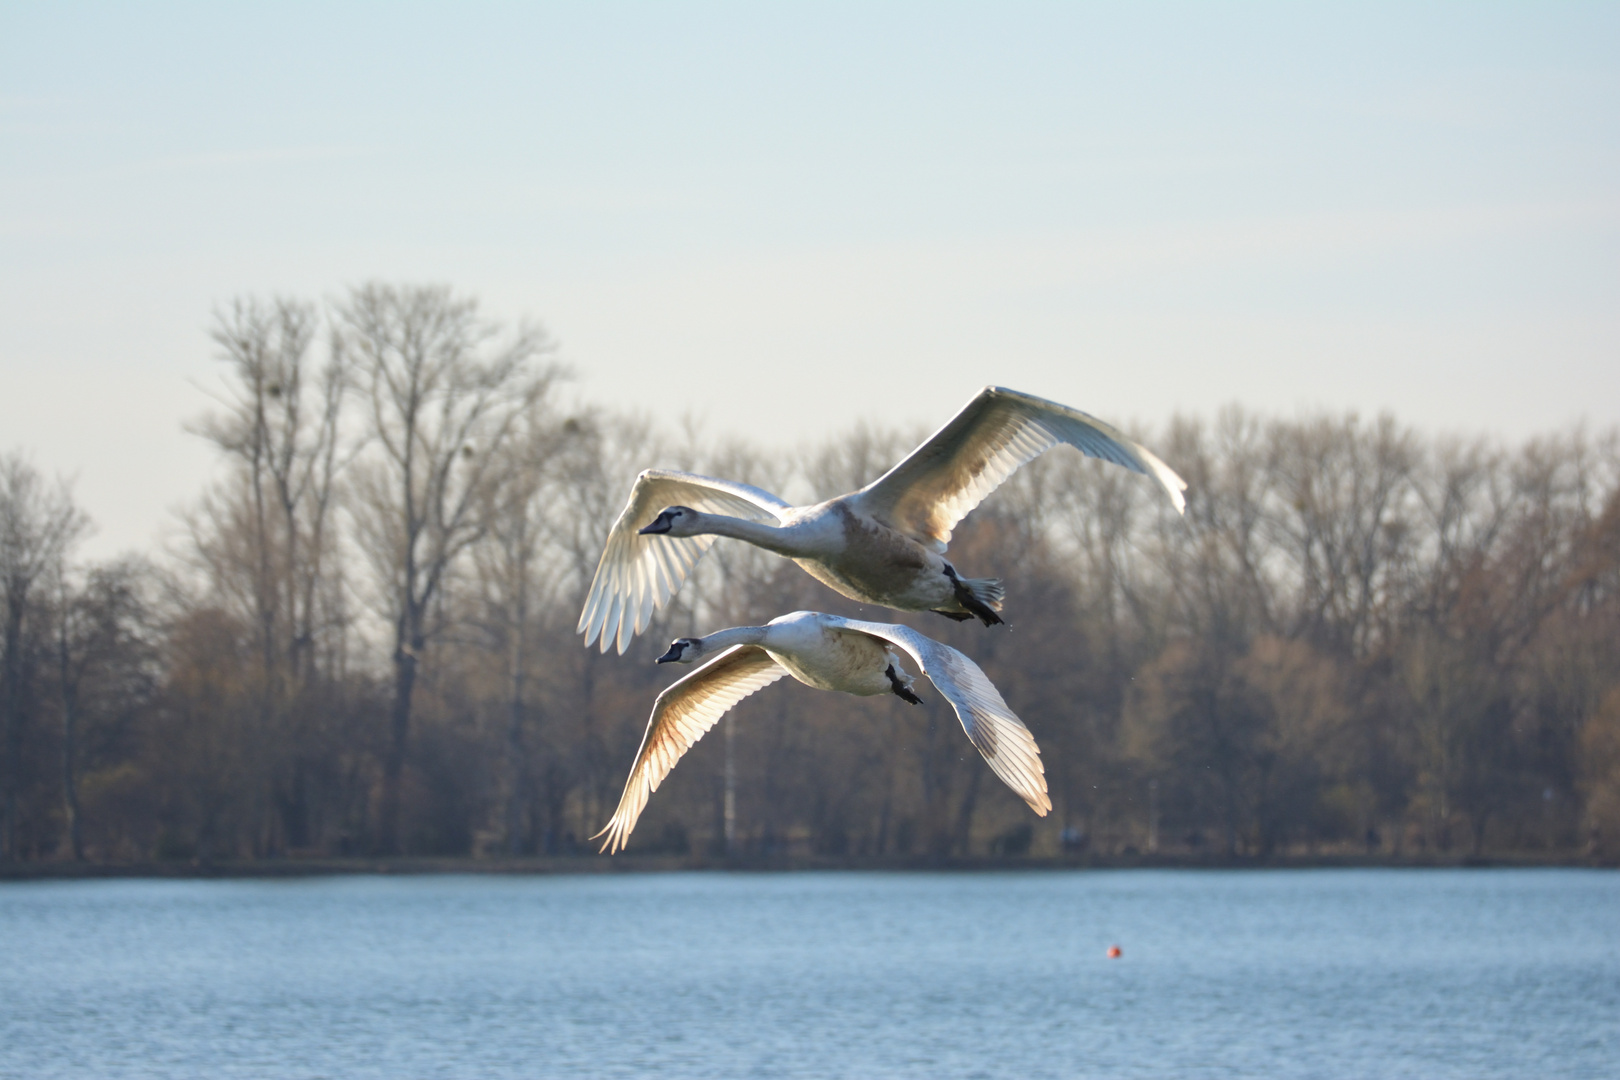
x,y
784,217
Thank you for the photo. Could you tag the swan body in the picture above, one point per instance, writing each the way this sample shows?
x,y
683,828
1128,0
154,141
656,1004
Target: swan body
x,y
828,653
850,553
884,544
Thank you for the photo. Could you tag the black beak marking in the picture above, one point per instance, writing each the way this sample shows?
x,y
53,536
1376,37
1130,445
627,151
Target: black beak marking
x,y
675,650
660,524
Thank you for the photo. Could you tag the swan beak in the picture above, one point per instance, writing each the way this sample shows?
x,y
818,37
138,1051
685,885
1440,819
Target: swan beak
x,y
675,650
660,524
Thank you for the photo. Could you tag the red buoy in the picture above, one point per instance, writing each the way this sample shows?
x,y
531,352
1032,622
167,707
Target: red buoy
x,y
1115,952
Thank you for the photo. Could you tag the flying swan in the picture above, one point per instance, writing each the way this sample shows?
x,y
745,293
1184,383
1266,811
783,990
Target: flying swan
x,y
829,653
884,544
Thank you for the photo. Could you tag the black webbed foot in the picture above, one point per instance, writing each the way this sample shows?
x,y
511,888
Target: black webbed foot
x,y
974,605
901,690
954,616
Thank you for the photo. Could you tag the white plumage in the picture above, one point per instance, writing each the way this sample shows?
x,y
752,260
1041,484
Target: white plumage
x,y
883,544
829,653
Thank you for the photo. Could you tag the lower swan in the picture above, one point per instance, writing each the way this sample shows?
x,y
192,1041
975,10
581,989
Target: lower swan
x,y
828,653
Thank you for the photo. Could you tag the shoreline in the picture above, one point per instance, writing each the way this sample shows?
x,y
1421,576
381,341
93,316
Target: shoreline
x,y
649,864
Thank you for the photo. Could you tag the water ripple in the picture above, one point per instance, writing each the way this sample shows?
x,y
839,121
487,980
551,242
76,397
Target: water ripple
x,y
1328,974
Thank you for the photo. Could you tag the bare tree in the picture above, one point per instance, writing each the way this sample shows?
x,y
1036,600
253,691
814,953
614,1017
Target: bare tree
x,y
265,537
1342,520
518,573
38,525
281,424
441,390
103,661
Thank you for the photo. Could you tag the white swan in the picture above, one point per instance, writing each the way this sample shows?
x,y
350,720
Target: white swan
x,y
883,544
829,653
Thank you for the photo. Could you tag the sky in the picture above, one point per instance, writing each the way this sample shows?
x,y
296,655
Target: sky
x,y
782,218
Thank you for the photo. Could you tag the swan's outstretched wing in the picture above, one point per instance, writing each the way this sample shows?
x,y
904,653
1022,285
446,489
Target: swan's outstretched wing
x,y
991,726
680,717
638,574
960,464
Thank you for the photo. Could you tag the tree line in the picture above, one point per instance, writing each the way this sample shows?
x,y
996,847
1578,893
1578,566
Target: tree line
x,y
1359,639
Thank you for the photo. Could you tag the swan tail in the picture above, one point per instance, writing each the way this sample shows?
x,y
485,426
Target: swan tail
x,y
986,590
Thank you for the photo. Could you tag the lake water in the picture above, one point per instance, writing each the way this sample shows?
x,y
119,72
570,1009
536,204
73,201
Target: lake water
x,y
1333,973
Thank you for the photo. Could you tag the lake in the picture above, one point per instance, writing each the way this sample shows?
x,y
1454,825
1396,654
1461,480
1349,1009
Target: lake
x,y
1293,973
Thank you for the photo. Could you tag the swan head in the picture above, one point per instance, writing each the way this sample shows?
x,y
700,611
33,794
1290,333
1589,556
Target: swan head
x,y
683,651
673,521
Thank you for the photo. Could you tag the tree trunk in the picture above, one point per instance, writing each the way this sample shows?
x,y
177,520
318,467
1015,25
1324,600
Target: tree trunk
x,y
1230,814
70,786
885,812
394,762
556,799
964,812
11,736
517,770
728,819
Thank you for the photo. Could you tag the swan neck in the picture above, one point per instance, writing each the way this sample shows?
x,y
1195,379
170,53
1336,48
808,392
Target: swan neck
x,y
721,640
769,537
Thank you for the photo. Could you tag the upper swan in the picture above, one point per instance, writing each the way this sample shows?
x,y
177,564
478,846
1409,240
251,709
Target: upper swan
x,y
883,544
829,653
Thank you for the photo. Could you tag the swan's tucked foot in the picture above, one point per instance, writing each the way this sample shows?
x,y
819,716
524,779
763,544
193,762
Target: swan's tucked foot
x,y
980,596
954,616
902,689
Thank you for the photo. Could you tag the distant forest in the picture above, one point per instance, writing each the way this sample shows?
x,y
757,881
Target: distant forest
x,y
1361,639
